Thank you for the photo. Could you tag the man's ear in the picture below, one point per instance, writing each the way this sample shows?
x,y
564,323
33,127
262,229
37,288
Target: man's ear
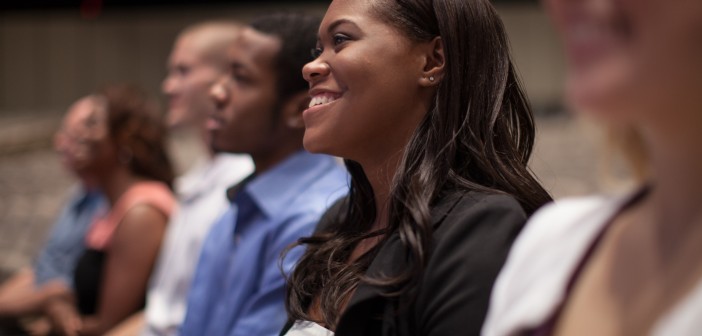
x,y
292,110
434,62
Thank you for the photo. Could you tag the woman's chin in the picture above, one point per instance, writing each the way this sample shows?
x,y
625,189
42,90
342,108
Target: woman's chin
x,y
312,145
597,102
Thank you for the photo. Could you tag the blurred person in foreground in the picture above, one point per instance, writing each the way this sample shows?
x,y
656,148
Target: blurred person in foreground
x,y
130,166
24,294
626,264
197,61
238,287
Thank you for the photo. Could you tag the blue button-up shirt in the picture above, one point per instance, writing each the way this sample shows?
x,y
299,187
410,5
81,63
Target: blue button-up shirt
x,y
238,289
66,242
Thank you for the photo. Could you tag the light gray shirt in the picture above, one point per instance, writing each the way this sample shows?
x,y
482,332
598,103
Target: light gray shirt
x,y
202,200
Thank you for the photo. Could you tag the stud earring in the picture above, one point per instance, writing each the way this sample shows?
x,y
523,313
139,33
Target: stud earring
x,y
431,78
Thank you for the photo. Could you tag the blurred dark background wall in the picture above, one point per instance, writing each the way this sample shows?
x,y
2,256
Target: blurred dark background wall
x,y
54,51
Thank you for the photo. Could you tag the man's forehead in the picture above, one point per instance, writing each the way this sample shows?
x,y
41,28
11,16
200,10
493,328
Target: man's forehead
x,y
186,50
256,45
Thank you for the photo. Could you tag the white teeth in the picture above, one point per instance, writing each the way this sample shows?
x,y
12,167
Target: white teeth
x,y
322,99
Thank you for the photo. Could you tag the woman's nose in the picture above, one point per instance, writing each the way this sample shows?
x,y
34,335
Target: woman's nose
x,y
315,70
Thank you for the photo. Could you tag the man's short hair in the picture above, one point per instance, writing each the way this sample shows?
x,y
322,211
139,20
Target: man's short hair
x,y
298,35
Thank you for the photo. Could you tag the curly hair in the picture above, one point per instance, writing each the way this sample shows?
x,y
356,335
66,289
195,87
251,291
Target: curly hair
x,y
135,125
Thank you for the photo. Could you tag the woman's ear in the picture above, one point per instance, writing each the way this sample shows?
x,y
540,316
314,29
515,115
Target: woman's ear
x,y
292,110
434,62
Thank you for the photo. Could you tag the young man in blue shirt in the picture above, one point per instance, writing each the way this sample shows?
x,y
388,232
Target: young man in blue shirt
x,y
238,288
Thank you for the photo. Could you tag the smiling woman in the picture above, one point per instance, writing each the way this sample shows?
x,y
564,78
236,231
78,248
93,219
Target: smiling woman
x,y
421,100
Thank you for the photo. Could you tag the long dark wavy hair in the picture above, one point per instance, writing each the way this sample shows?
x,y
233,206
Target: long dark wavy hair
x,y
477,136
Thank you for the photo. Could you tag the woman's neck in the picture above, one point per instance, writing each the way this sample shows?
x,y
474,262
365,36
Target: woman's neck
x,y
380,175
675,156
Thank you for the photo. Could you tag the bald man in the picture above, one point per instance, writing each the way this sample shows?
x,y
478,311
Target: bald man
x,y
197,61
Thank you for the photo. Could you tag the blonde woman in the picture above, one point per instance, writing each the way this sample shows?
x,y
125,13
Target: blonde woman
x,y
626,265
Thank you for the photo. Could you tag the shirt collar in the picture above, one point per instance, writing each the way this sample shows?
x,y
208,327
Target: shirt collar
x,y
208,174
276,188
89,195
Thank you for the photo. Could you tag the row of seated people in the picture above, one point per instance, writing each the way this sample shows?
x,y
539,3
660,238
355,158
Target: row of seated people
x,y
130,226
424,105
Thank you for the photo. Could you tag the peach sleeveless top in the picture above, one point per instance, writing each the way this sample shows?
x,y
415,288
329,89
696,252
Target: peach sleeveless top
x,y
155,194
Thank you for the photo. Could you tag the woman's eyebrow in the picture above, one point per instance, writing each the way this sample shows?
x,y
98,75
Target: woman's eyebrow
x,y
337,23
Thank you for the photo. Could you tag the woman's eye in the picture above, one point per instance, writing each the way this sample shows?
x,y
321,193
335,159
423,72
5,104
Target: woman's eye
x,y
337,40
340,38
316,52
241,79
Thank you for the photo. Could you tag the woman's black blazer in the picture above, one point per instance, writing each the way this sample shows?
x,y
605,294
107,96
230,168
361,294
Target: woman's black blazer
x,y
473,232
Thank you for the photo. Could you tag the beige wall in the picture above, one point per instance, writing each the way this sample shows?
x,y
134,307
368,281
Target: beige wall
x,y
537,53
48,60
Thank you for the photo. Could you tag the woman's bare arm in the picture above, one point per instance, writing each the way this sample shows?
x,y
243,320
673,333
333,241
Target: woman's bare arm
x,y
128,265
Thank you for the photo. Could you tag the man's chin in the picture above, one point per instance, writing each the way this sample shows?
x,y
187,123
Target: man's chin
x,y
176,118
222,148
216,147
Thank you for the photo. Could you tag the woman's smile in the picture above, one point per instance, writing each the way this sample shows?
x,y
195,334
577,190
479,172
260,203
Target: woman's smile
x,y
319,102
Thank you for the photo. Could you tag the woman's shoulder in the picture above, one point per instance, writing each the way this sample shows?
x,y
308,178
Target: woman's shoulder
x,y
568,225
484,201
146,208
474,208
468,224
473,232
151,193
542,259
155,195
